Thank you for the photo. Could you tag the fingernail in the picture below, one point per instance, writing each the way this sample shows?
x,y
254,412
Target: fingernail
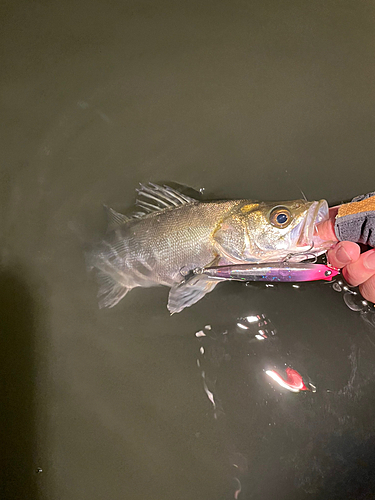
x,y
342,255
369,261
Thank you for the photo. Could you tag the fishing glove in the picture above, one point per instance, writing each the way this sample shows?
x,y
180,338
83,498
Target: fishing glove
x,y
355,221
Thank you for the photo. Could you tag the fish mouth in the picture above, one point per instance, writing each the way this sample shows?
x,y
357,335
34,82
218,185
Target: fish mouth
x,y
318,212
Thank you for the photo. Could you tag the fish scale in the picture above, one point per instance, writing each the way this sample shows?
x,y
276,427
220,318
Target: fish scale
x,y
180,238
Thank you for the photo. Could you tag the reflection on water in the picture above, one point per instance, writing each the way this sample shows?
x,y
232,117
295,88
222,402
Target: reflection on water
x,y
253,380
215,347
293,381
355,302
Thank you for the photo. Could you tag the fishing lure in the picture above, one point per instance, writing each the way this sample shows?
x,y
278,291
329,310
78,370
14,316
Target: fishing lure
x,y
270,271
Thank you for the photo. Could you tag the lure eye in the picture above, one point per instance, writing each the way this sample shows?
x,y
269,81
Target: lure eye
x,y
280,217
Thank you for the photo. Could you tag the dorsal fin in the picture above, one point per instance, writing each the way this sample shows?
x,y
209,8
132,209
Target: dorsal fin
x,y
114,218
154,198
151,198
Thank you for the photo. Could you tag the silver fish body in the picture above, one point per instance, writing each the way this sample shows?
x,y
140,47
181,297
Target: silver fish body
x,y
156,249
174,234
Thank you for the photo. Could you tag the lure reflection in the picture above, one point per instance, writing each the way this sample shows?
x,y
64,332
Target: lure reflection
x,y
293,381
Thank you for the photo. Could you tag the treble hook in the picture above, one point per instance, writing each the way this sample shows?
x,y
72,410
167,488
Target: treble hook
x,y
308,254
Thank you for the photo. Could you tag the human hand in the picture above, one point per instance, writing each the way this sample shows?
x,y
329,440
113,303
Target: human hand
x,y
358,268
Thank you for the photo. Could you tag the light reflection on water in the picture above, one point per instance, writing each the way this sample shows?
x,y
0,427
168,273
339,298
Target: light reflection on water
x,y
245,363
355,302
215,351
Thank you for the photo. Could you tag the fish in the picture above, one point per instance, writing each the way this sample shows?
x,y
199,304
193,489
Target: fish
x,y
171,234
284,271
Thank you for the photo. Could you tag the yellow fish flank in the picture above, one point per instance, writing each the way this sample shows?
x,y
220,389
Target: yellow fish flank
x,y
172,234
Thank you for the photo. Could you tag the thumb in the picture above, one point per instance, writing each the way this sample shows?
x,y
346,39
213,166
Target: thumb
x,y
326,229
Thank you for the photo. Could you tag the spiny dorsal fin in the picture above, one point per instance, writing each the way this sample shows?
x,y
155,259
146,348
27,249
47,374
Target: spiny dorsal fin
x,y
153,198
114,218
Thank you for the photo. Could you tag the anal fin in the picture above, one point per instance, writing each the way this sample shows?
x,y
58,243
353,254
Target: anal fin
x,y
110,291
189,292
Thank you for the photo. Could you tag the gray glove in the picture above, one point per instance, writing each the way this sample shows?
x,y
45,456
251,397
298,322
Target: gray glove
x,y
355,221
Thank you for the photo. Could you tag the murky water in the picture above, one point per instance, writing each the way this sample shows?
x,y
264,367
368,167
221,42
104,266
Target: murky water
x,y
245,99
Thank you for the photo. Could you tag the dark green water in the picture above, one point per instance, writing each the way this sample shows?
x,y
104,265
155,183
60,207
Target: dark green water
x,y
246,99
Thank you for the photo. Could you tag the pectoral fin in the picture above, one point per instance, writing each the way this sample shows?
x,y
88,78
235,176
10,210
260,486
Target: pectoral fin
x,y
189,292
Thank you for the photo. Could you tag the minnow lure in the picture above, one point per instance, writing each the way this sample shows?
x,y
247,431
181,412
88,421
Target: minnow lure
x,y
270,271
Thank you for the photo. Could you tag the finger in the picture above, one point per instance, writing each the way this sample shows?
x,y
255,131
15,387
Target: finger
x,y
326,229
333,211
343,254
361,270
367,289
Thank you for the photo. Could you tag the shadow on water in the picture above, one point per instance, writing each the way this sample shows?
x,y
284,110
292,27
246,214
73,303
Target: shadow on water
x,y
17,416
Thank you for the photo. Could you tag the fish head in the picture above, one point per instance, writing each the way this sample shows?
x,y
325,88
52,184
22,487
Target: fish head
x,y
270,231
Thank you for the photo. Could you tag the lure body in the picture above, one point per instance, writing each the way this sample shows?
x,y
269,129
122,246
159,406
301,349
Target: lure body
x,y
271,272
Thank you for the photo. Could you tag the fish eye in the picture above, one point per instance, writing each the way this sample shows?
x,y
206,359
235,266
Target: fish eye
x,y
280,217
